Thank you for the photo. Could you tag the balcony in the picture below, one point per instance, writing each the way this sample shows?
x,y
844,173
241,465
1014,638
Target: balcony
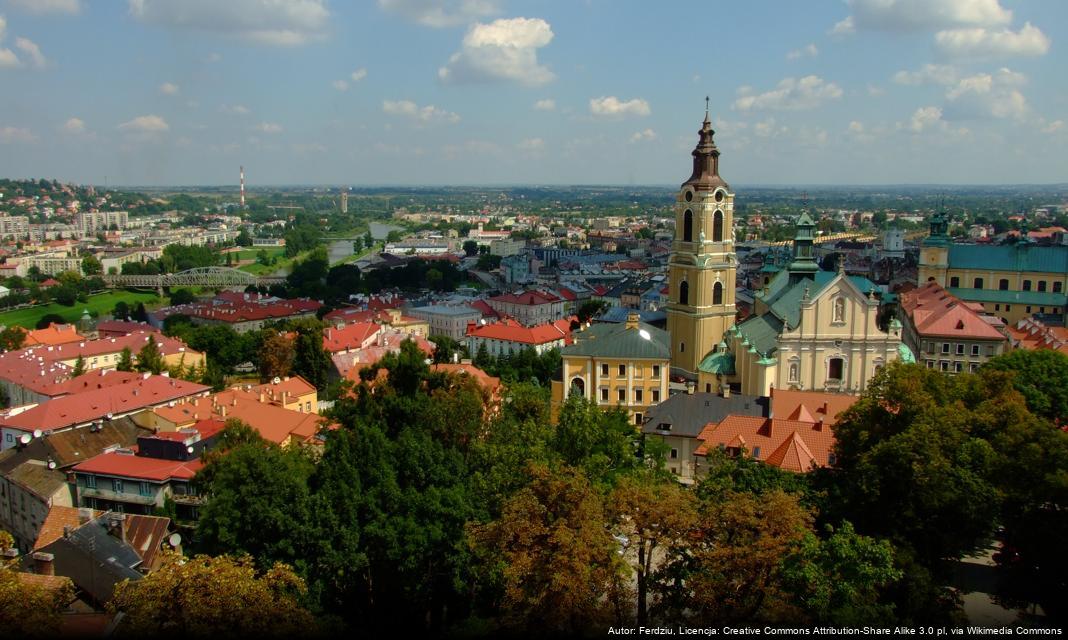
x,y
115,496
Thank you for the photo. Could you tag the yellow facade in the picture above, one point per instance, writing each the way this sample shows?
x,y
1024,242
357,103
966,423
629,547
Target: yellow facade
x,y
633,385
187,358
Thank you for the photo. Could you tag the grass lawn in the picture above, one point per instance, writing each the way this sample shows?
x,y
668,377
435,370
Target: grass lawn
x,y
250,254
100,303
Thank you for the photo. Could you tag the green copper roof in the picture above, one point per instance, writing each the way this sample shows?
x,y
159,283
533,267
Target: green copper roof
x,y
804,220
1013,257
617,341
767,361
720,363
762,332
905,354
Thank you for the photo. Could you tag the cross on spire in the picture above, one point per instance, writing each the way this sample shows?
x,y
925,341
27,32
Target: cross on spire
x,y
706,104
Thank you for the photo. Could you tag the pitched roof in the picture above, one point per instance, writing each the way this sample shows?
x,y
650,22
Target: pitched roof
x,y
935,312
350,336
511,331
136,467
688,413
272,422
53,334
628,340
488,382
817,405
528,298
793,445
38,479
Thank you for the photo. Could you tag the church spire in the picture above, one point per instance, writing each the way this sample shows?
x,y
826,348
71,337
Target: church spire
x,y
804,263
705,176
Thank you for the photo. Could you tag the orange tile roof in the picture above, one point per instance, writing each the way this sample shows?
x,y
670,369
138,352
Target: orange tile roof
x,y
792,445
53,334
129,465
351,336
294,386
50,583
54,523
935,312
809,406
511,331
487,381
1029,333
271,421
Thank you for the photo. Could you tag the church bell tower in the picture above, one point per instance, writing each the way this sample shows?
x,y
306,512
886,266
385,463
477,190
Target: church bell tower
x,y
703,263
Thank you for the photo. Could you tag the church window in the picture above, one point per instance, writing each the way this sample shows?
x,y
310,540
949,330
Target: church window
x,y
578,386
684,293
682,347
604,394
839,310
954,282
835,368
717,226
1027,285
793,371
717,293
978,284
622,371
1003,284
687,226
1041,285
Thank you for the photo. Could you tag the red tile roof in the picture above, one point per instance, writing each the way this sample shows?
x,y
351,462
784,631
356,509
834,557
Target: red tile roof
x,y
271,421
53,334
483,307
809,406
129,465
793,445
352,336
936,313
511,331
527,298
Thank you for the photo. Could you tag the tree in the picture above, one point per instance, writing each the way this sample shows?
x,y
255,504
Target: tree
x,y
311,360
368,240
590,309
64,295
652,513
470,248
482,356
1041,375
243,238
276,355
603,443
488,262
446,348
50,319
121,310
555,557
91,266
182,296
12,338
357,245
150,359
27,609
125,360
206,596
79,367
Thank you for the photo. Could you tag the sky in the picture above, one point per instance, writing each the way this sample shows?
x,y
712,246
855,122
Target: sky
x,y
481,92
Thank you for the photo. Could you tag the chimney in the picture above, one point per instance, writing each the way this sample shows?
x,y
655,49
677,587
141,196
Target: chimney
x,y
42,564
726,390
222,410
632,320
263,397
117,525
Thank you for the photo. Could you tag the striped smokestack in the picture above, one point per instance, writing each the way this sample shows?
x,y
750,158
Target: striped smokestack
x,y
242,187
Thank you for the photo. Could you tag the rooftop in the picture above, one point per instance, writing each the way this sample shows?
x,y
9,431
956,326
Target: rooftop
x,y
937,313
686,414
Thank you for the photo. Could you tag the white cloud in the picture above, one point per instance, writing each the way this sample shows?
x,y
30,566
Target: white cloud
x,y
358,74
843,27
928,74
986,43
270,22
47,6
268,127
304,148
769,128
168,89
422,115
10,135
74,125
790,93
3,27
341,85
808,50
613,107
27,46
501,50
438,13
545,105
531,144
856,127
647,135
235,109
1054,127
146,124
989,95
925,118
8,59
922,15
874,90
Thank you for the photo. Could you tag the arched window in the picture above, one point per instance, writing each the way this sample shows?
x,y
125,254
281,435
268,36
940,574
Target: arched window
x,y
687,226
717,226
684,293
578,387
717,293
835,368
1003,285
839,310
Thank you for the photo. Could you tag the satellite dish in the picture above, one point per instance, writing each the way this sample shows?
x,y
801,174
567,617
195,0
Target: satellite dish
x,y
37,433
174,539
189,448
51,464
25,438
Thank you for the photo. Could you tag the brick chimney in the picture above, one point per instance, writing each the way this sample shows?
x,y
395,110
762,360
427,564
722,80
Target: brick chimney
x,y
43,565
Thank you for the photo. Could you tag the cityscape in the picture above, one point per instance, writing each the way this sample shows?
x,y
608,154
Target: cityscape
x,y
521,331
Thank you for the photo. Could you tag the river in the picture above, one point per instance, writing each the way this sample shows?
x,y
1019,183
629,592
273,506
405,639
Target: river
x,y
338,250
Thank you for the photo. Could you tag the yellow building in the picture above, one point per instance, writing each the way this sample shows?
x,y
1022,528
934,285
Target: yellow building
x,y
812,330
702,265
616,365
1011,281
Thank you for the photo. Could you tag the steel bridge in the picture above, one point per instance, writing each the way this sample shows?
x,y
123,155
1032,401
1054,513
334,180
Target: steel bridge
x,y
211,277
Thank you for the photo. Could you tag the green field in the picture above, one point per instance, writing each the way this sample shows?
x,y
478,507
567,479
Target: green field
x,y
250,254
101,303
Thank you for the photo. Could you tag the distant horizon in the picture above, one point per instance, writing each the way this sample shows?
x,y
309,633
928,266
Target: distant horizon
x,y
428,185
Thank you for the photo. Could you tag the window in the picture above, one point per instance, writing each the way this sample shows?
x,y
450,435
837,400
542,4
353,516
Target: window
x,y
717,293
960,349
146,489
116,485
954,282
708,387
1008,307
1028,308
945,347
1027,285
604,370
90,482
1056,287
973,367
943,365
604,394
639,371
687,226
839,310
978,284
717,226
756,453
664,426
682,347
578,386
621,395
10,438
1042,285
975,349
674,454
307,407
684,293
637,396
656,396
1003,285
637,418
835,368
830,459
997,307
930,364
958,367
656,371
622,371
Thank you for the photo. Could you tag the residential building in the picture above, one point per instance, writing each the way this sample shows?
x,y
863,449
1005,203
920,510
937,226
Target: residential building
x,y
241,311
349,337
508,337
15,226
529,308
1011,281
53,334
946,333
28,489
616,365
291,392
811,406
92,221
680,419
385,342
791,443
1032,334
447,320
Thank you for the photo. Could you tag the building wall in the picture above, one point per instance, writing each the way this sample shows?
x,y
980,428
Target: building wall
x,y
680,455
447,324
508,347
644,383
22,512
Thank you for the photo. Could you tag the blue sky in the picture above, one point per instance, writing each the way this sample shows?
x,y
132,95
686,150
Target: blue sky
x,y
551,92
